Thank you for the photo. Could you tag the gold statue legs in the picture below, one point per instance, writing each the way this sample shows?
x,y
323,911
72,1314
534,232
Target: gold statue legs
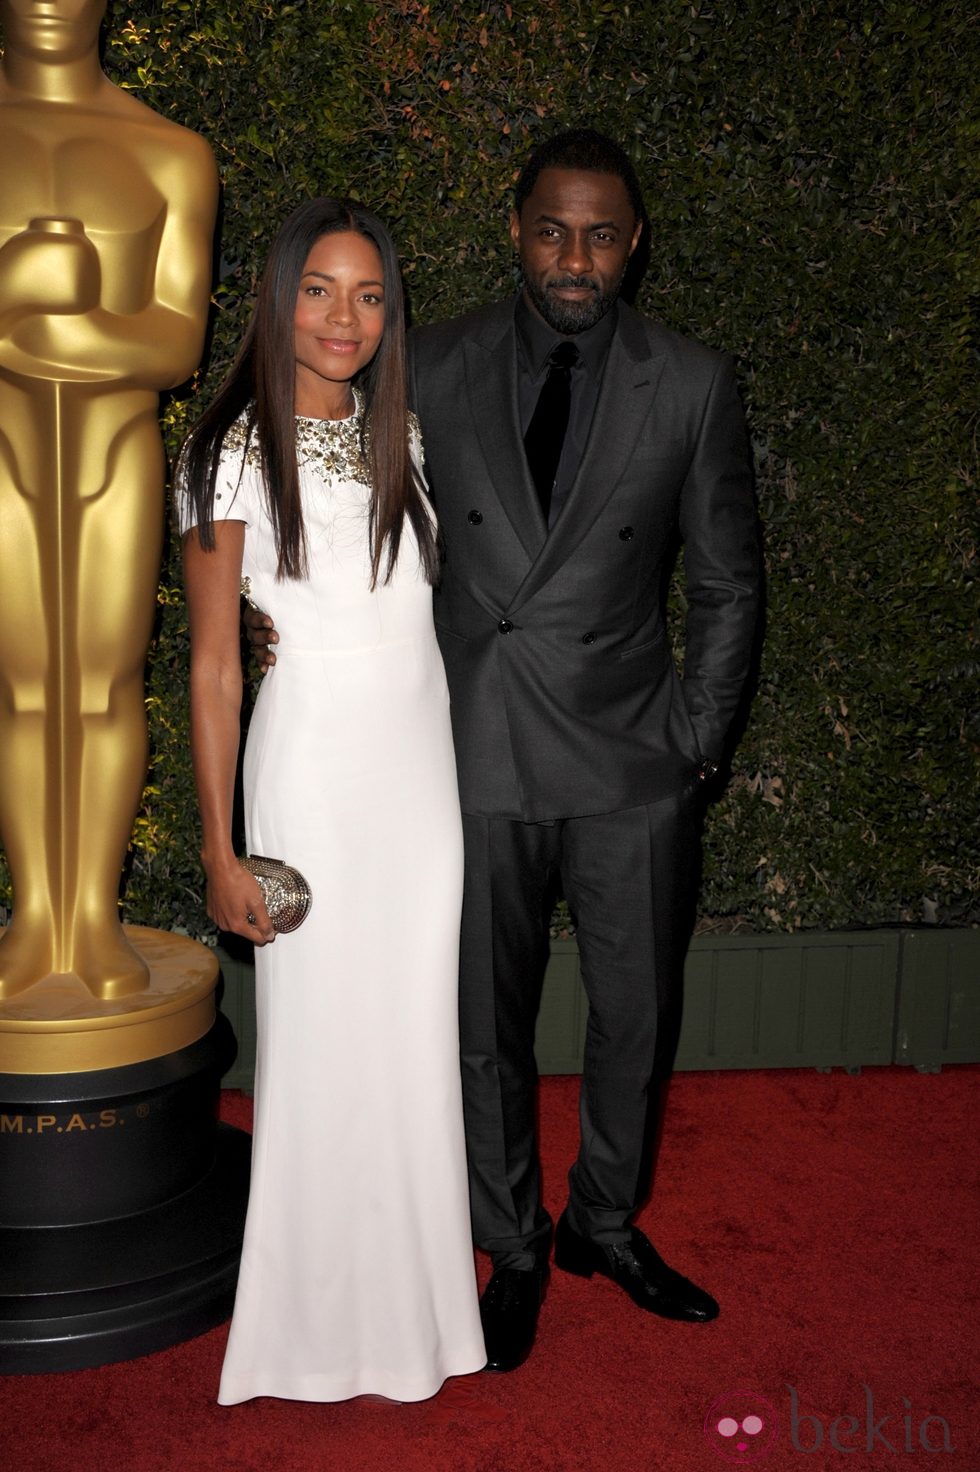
x,y
79,555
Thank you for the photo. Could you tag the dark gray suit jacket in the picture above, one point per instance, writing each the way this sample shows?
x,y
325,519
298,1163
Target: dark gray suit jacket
x,y
565,697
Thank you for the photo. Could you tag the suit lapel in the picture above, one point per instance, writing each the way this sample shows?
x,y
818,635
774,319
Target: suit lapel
x,y
629,383
491,386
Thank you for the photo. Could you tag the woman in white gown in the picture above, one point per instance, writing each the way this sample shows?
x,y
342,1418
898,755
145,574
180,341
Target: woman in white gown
x,y
357,1271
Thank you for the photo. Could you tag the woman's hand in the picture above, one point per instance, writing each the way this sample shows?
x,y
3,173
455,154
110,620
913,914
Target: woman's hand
x,y
262,635
233,896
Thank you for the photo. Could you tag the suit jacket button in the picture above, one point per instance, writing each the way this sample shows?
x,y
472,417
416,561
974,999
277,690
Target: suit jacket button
x,y
474,517
626,534
505,626
588,638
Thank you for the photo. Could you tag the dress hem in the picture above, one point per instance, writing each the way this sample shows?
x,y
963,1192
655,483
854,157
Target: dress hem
x,y
324,1389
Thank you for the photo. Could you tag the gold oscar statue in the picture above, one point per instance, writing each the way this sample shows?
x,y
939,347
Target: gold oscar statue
x,y
106,219
111,1051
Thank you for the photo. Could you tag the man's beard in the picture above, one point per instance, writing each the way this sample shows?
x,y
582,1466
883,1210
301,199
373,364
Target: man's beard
x,y
566,317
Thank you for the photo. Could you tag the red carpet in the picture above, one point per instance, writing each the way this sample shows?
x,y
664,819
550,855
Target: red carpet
x,y
835,1218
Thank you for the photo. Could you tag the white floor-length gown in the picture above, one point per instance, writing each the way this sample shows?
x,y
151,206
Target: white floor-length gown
x,y
357,1271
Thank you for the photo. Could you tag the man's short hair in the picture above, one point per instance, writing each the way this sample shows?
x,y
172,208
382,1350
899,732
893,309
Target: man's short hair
x,y
580,148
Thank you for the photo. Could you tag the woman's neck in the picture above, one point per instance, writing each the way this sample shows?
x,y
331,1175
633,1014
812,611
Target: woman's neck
x,y
324,400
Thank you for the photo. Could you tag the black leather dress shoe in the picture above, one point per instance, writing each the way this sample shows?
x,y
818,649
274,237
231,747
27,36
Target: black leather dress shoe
x,y
638,1269
509,1311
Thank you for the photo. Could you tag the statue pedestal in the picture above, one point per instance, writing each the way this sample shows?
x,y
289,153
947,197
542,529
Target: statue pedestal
x,y
122,1200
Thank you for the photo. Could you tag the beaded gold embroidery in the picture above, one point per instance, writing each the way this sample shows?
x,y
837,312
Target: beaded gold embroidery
x,y
234,444
331,446
415,437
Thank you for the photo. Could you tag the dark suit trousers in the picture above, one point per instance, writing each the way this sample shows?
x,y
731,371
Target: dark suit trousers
x,y
630,879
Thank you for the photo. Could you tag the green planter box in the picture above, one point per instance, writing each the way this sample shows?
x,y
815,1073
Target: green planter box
x,y
772,1001
807,1000
236,999
939,1000
790,1001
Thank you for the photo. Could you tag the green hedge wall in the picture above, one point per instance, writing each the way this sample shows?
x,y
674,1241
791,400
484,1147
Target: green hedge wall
x,y
810,170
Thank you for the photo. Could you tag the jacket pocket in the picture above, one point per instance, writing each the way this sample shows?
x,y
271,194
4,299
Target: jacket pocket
x,y
646,646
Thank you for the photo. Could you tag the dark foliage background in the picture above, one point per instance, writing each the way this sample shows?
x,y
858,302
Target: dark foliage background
x,y
811,173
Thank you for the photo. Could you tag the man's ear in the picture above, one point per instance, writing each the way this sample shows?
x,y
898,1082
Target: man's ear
x,y
515,229
636,236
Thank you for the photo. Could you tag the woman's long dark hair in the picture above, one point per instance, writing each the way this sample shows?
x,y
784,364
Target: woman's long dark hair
x,y
261,385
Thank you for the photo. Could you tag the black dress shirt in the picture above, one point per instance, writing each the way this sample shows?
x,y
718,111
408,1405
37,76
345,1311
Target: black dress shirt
x,y
535,341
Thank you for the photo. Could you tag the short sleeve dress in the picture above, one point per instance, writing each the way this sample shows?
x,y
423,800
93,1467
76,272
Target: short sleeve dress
x,y
357,1271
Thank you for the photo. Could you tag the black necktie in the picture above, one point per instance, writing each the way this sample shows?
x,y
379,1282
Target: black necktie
x,y
545,434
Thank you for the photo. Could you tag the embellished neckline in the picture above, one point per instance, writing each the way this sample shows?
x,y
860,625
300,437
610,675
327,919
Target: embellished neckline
x,y
333,446
329,447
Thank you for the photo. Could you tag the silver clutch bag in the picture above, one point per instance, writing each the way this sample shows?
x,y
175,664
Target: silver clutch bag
x,y
286,893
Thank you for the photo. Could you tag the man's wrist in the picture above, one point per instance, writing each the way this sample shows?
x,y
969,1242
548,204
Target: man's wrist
x,y
707,770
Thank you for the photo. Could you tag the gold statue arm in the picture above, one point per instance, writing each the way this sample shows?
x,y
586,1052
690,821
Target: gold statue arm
x,y
62,332
212,581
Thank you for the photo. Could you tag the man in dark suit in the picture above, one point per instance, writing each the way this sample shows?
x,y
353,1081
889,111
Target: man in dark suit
x,y
581,754
562,480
